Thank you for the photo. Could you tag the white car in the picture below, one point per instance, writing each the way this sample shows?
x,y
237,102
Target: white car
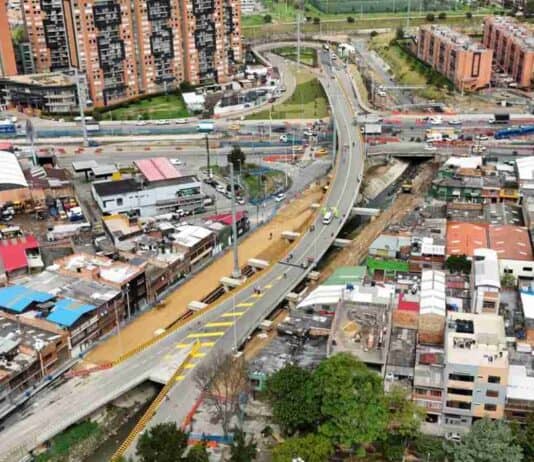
x,y
479,149
140,123
176,162
283,138
481,137
328,217
240,201
436,120
162,122
180,121
280,197
220,188
381,93
429,147
455,122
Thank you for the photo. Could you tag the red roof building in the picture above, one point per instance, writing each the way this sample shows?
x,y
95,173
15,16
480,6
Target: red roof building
x,y
226,218
405,304
510,242
14,252
157,169
464,238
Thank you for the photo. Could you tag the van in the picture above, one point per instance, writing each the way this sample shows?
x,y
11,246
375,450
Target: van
x,y
328,217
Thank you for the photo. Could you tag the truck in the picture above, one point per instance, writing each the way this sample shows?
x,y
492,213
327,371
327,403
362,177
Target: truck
x,y
206,126
368,119
6,126
500,118
371,129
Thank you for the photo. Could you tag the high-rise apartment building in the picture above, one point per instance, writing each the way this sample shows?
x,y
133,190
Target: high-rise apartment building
x,y
476,370
212,39
513,47
8,64
46,29
466,63
128,48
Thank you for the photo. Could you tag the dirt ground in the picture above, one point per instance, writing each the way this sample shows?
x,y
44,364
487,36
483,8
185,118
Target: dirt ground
x,y
401,206
294,216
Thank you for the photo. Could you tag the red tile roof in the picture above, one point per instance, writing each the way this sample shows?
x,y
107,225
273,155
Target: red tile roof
x,y
157,169
13,251
226,218
464,238
510,242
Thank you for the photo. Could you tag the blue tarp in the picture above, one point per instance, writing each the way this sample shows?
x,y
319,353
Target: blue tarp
x,y
67,311
17,298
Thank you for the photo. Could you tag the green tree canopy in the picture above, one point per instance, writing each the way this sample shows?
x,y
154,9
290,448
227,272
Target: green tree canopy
x,y
525,437
293,400
237,157
242,449
458,264
352,402
163,442
488,441
310,448
197,453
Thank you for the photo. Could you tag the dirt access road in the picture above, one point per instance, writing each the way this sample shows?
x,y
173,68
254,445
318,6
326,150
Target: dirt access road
x,y
294,216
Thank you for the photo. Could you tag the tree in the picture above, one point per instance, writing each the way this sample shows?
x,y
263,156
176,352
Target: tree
x,y
350,20
267,19
430,17
458,264
236,157
310,448
487,441
223,382
525,437
242,450
197,453
18,34
469,15
442,16
352,402
163,442
293,400
529,8
399,33
316,20
429,448
508,281
373,33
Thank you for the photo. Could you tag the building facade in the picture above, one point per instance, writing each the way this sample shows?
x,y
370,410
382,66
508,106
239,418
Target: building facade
x,y
513,47
8,64
463,61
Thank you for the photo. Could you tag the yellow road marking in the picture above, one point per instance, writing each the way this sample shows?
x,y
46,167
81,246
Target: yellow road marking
x,y
205,334
220,324
198,355
180,377
189,366
256,296
202,345
268,286
183,345
279,277
233,314
244,304
168,356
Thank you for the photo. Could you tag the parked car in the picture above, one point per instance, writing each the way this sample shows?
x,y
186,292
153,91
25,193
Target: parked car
x,y
176,162
280,197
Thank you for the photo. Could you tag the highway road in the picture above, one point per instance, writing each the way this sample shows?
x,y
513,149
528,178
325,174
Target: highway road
x,y
217,329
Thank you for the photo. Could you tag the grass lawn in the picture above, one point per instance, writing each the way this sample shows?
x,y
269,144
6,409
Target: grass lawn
x,y
408,70
307,102
308,56
169,106
259,187
64,442
279,12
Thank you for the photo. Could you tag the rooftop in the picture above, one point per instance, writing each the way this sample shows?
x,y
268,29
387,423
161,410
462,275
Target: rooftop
x,y
525,168
190,235
476,339
157,169
455,38
67,311
464,238
121,227
226,218
49,79
486,268
522,34
18,298
520,384
527,302
432,297
13,251
11,175
116,187
510,242
347,275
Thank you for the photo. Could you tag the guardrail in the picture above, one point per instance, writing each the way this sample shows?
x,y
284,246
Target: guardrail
x,y
147,416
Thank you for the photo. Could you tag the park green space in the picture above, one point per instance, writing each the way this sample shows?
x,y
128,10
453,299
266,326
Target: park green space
x,y
308,56
169,106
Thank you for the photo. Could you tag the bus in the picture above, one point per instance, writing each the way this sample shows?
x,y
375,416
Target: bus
x,y
7,127
206,126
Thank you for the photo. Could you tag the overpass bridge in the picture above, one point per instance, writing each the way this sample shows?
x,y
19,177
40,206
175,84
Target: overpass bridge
x,y
221,328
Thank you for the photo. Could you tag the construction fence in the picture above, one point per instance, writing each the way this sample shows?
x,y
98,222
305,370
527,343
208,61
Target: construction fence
x,y
382,6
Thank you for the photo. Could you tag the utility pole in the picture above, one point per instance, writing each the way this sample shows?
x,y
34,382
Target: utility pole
x,y
236,272
81,103
408,17
208,155
298,36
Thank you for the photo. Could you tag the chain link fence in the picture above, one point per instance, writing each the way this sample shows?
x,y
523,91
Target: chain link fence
x,y
382,6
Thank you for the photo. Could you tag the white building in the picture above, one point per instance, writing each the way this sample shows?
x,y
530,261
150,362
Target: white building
x,y
514,249
250,7
159,188
194,102
525,172
485,282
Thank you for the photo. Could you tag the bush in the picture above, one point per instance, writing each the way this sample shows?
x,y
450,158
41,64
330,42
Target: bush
x,y
373,33
267,19
316,20
469,15
350,20
442,16
430,17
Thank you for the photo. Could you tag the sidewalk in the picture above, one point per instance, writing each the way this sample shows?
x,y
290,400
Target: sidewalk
x,y
293,216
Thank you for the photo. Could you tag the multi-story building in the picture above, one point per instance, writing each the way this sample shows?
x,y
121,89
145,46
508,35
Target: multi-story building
x,y
476,370
212,39
485,282
466,63
513,47
47,34
8,64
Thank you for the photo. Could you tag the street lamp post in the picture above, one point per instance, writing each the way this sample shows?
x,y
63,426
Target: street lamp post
x,y
236,273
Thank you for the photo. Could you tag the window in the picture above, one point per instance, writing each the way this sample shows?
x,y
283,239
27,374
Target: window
x,y
475,68
486,304
494,379
490,407
462,377
492,393
458,405
460,391
527,268
119,201
508,271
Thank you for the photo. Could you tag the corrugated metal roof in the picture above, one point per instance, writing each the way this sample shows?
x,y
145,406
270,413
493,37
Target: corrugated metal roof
x,y
18,298
11,175
67,311
157,169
